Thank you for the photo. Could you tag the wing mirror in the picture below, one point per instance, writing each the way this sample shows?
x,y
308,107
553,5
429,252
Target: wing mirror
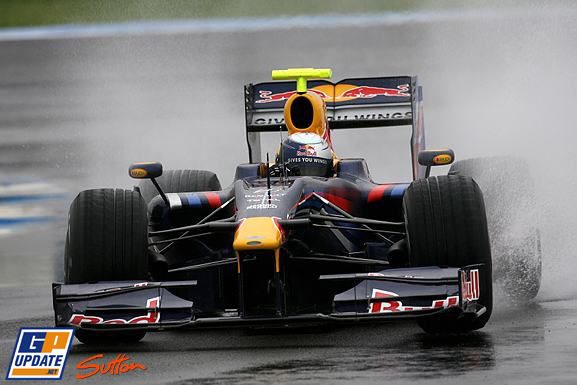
x,y
430,158
148,170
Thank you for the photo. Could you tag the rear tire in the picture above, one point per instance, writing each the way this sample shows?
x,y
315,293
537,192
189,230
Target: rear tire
x,y
107,240
174,181
447,226
515,240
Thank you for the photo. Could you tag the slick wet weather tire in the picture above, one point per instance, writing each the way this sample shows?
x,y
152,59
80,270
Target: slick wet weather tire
x,y
107,237
446,226
173,181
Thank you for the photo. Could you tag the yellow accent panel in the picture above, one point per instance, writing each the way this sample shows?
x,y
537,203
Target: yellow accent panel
x,y
319,123
259,233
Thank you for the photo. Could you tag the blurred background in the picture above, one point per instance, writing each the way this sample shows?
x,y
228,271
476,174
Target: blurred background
x,y
16,13
87,87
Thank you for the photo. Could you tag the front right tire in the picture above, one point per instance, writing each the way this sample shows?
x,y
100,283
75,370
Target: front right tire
x,y
107,237
107,240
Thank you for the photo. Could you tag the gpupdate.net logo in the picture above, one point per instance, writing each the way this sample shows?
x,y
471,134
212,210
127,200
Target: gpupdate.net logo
x,y
40,354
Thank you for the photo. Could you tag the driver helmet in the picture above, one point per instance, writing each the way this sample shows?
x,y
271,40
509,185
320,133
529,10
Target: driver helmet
x,y
306,154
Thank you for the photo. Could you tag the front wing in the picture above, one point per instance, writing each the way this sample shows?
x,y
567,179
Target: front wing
x,y
379,296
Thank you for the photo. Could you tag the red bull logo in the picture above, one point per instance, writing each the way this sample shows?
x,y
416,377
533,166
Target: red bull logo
x,y
306,150
392,306
366,92
339,93
152,317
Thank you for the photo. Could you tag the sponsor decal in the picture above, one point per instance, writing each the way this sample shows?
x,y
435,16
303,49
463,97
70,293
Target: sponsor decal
x,y
40,354
470,290
397,306
307,160
261,196
138,173
254,200
152,317
349,92
121,364
263,206
342,117
306,150
367,92
268,97
442,159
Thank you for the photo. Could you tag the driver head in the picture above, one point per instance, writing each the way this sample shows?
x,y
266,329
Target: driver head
x,y
306,154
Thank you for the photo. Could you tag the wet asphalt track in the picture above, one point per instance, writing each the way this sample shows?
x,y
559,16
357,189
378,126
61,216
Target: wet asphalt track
x,y
532,344
76,112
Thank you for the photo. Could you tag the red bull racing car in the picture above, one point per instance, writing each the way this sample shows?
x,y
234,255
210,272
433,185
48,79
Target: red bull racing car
x,y
308,238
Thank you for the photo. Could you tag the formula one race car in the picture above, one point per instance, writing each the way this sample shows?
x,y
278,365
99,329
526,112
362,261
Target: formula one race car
x,y
306,239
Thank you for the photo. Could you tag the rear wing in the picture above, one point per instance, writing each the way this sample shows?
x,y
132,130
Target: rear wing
x,y
351,103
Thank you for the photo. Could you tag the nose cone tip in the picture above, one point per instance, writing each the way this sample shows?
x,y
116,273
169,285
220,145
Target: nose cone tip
x,y
258,233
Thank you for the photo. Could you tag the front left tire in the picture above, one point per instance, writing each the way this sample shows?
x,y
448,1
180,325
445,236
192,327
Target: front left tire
x,y
446,226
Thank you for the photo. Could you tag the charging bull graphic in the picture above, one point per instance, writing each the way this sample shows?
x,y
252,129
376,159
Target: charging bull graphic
x,y
338,93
